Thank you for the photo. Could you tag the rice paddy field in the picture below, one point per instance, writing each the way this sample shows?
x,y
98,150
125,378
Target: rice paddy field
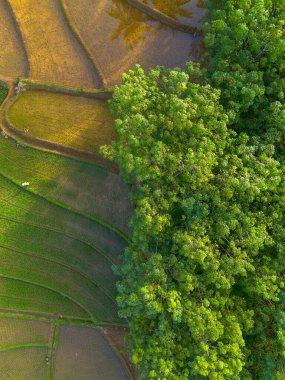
x,y
13,61
124,36
64,222
75,121
54,54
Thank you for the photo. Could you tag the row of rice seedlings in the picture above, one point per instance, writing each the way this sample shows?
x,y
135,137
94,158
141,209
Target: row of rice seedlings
x,y
87,188
23,296
62,280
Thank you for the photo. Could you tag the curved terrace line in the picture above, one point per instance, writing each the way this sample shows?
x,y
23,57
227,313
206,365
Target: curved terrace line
x,y
69,267
46,145
77,35
62,205
47,228
17,28
164,19
52,290
22,346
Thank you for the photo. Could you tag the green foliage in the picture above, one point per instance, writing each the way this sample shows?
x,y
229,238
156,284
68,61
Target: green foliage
x,y
246,42
202,277
3,94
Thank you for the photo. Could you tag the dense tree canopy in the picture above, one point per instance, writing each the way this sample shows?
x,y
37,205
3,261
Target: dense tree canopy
x,y
203,274
246,42
203,150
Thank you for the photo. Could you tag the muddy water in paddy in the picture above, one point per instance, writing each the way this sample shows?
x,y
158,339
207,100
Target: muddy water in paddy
x,y
118,36
190,12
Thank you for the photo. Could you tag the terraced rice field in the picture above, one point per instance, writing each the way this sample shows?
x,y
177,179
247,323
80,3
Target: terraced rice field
x,y
16,333
64,221
13,61
26,363
124,36
24,346
54,54
60,179
74,121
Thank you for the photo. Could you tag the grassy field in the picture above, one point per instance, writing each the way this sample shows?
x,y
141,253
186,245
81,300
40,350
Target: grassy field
x,y
87,188
13,62
24,364
73,121
84,352
55,55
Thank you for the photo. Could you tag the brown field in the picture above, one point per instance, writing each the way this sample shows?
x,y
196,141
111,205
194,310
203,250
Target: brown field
x,y
23,331
73,121
54,53
84,353
24,364
118,36
12,57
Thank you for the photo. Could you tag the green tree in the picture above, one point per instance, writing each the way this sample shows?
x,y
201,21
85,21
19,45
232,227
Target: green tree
x,y
246,56
202,279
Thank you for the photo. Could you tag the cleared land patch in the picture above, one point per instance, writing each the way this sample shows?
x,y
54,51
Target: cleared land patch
x,y
85,353
16,332
74,121
119,36
54,53
13,62
24,364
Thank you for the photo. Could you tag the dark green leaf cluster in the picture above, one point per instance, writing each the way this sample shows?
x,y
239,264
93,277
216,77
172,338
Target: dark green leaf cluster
x,y
246,42
203,277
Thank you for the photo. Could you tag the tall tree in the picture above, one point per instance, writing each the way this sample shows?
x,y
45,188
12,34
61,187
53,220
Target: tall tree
x,y
203,277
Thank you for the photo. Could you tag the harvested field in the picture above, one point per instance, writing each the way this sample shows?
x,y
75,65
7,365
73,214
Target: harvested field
x,y
85,354
73,121
23,331
119,36
13,61
54,53
18,295
24,364
103,194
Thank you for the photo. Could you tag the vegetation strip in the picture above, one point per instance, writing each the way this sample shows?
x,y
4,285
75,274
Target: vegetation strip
x,y
24,345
